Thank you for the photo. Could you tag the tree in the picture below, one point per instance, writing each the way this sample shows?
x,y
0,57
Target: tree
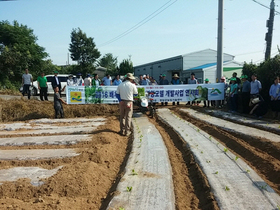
x,y
109,62
126,66
18,50
83,50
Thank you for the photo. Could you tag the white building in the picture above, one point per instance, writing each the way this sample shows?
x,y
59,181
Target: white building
x,y
202,63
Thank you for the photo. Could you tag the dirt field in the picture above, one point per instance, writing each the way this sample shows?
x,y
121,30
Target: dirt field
x,y
89,180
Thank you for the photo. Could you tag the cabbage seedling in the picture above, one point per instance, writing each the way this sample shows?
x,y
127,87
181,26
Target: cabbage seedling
x,y
225,150
128,189
227,188
133,172
121,208
236,158
216,172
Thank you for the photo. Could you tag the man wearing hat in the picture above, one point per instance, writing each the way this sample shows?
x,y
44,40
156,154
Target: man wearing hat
x,y
246,86
70,80
175,81
125,92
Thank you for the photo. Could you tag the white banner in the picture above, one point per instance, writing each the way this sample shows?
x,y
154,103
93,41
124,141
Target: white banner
x,y
161,93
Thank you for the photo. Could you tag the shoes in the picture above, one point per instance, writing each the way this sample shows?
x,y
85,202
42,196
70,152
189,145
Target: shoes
x,y
128,133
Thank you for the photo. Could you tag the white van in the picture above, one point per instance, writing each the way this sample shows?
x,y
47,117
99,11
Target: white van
x,y
62,77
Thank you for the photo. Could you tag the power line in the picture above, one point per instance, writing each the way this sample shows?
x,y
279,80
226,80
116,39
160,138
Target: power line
x,y
142,22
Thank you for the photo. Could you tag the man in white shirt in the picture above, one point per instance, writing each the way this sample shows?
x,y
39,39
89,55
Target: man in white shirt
x,y
27,79
125,92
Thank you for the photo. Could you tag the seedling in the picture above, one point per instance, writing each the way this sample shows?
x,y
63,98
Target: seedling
x,y
236,158
187,135
216,172
227,188
210,137
278,207
141,136
139,131
208,161
136,161
201,152
128,189
264,187
121,208
133,172
140,140
225,150
248,171
198,130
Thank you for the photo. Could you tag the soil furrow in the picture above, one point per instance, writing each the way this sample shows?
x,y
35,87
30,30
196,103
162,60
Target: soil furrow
x,y
191,188
264,162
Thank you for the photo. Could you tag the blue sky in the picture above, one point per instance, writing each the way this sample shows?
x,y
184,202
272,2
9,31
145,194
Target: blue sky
x,y
185,26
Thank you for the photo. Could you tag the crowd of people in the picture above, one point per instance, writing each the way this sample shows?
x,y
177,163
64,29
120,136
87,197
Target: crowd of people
x,y
251,100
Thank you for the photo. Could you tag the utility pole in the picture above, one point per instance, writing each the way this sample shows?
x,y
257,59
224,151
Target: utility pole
x,y
268,35
220,40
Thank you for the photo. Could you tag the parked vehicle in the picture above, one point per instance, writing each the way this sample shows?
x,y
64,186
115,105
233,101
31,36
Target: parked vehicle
x,y
35,90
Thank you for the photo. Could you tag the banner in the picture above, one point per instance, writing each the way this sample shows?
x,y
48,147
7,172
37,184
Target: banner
x,y
161,93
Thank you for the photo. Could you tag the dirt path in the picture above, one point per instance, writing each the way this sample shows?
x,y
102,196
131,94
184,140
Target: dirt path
x,y
260,154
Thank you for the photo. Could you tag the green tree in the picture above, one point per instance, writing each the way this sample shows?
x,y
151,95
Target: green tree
x,y
249,69
110,63
126,66
83,50
18,50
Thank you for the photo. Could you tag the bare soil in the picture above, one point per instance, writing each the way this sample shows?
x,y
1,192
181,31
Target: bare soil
x,y
84,182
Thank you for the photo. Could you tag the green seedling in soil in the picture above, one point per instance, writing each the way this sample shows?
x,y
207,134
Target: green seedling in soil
x,y
225,150
121,208
136,161
133,172
210,137
279,126
278,207
187,135
227,188
140,140
236,158
208,161
248,171
264,187
128,189
216,172
141,136
139,131
198,130
201,152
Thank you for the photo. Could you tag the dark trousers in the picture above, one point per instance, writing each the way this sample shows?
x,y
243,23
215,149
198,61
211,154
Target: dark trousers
x,y
245,102
59,111
233,102
44,92
208,103
26,89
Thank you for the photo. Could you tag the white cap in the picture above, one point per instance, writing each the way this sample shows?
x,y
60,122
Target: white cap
x,y
144,75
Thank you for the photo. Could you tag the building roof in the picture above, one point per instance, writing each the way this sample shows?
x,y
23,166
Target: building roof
x,y
227,68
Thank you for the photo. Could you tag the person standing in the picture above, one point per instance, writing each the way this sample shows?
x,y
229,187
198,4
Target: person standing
x,y
175,81
163,81
27,81
256,87
107,81
117,81
43,86
96,81
79,80
87,81
233,96
70,80
208,102
56,82
221,103
125,92
246,86
274,93
58,108
193,80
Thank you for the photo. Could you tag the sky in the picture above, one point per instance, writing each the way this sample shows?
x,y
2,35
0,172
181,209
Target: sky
x,y
154,29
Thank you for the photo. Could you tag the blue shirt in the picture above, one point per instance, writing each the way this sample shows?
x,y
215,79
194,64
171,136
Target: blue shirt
x,y
107,81
163,82
232,87
117,82
145,82
175,82
255,87
275,91
246,87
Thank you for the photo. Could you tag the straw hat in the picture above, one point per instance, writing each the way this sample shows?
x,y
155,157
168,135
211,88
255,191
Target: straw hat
x,y
130,76
176,76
